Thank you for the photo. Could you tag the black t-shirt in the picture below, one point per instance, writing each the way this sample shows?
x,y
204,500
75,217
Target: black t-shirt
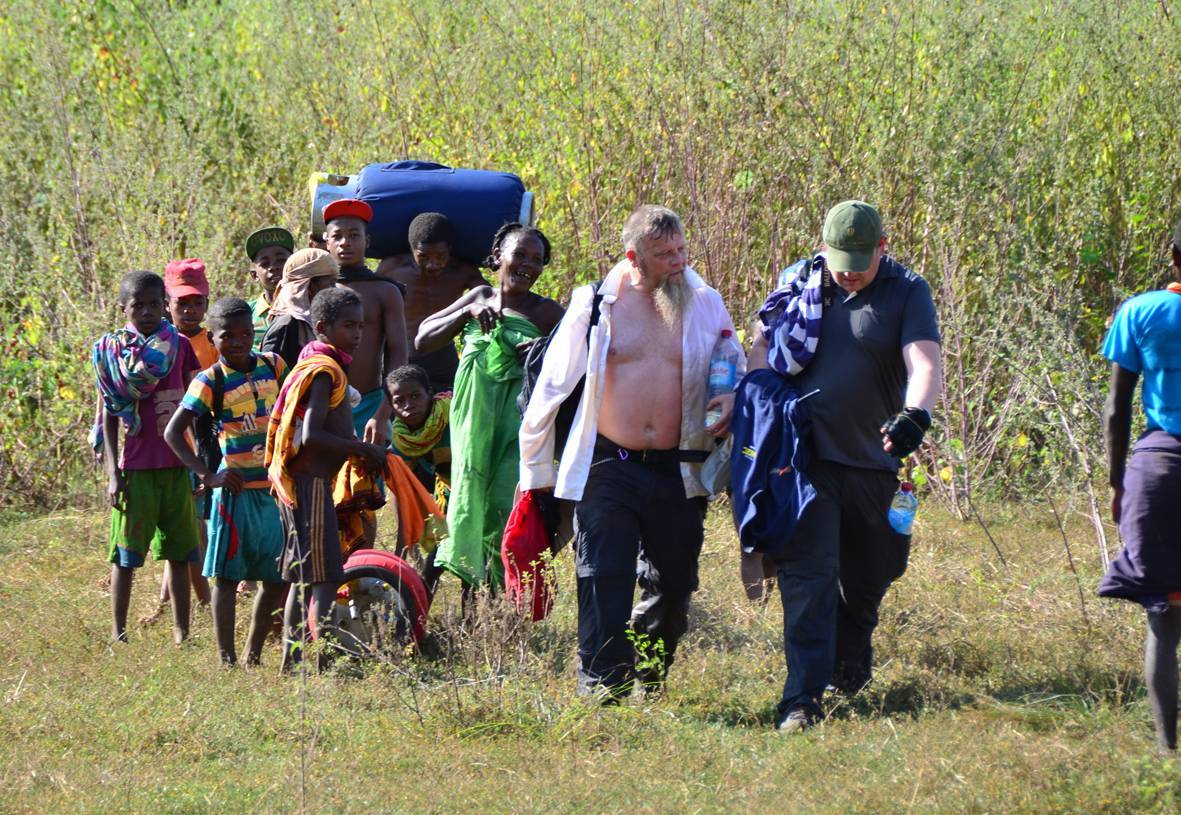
x,y
286,336
858,366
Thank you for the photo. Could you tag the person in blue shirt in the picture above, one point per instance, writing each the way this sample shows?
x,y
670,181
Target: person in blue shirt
x,y
1144,344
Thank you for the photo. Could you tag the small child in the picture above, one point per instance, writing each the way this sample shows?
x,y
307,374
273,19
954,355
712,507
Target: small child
x,y
309,437
188,299
187,289
245,535
142,371
420,428
421,437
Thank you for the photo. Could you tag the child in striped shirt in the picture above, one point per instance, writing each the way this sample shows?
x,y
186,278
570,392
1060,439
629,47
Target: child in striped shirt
x,y
245,535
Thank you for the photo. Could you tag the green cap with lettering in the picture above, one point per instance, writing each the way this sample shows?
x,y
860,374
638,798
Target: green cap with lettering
x,y
852,230
266,237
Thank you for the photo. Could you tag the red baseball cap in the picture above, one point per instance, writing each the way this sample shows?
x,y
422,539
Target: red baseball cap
x,y
185,277
348,208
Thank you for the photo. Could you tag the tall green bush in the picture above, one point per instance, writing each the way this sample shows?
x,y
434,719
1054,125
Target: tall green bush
x,y
1022,154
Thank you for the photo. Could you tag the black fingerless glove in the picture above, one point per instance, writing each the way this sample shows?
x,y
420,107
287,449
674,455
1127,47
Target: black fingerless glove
x,y
906,430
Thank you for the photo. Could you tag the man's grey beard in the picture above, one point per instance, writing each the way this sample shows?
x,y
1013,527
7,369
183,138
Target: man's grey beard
x,y
672,298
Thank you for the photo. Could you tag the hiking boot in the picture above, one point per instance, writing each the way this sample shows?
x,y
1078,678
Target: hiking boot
x,y
605,695
798,719
849,682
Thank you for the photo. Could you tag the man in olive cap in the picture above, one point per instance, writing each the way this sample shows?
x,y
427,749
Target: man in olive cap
x,y
268,249
858,329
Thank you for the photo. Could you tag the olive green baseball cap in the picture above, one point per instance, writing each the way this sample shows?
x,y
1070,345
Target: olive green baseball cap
x,y
852,230
266,237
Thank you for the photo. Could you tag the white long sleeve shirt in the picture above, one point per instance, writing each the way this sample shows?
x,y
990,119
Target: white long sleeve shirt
x,y
570,356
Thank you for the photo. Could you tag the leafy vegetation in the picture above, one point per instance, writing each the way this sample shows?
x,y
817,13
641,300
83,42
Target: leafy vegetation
x,y
1020,151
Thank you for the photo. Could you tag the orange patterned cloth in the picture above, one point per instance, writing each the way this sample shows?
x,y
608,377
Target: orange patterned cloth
x,y
286,424
358,497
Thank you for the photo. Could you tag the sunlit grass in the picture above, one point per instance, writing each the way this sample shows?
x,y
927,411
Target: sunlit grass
x,y
992,695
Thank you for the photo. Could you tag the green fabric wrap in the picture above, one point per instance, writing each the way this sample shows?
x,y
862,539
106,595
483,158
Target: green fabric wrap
x,y
484,452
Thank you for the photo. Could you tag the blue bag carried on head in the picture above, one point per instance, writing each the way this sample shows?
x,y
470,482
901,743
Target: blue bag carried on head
x,y
478,202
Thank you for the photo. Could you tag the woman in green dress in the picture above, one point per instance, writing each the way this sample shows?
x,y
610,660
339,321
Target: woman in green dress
x,y
498,325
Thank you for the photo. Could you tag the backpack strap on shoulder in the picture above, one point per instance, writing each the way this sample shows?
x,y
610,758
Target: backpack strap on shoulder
x,y
596,302
267,359
219,392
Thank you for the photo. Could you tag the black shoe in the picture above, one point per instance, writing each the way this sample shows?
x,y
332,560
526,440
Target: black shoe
x,y
848,681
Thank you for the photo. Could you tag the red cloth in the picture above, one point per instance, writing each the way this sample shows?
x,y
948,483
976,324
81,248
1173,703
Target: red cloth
x,y
522,550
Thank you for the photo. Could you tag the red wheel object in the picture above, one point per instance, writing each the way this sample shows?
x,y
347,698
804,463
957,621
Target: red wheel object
x,y
388,586
407,575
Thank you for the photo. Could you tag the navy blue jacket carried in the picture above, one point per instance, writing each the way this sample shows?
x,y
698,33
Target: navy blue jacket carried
x,y
769,488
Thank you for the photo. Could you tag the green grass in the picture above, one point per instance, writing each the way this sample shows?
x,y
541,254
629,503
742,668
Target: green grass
x,y
993,695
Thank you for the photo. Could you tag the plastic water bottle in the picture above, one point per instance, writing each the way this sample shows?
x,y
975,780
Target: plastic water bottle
x,y
903,508
723,373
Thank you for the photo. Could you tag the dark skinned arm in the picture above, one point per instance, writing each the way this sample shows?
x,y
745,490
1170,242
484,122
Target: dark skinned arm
x,y
174,434
548,316
1117,429
394,314
441,327
317,439
475,279
116,479
394,354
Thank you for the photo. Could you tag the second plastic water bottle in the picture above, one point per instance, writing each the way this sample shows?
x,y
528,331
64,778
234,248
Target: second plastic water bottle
x,y
903,508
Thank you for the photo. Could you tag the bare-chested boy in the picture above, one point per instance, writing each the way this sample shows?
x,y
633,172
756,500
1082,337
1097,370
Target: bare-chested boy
x,y
383,346
309,437
434,279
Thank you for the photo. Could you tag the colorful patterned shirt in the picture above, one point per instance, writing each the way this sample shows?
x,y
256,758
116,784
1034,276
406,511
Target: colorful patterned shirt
x,y
147,450
247,400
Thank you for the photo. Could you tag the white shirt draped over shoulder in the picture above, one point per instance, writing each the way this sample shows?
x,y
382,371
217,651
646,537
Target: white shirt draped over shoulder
x,y
570,356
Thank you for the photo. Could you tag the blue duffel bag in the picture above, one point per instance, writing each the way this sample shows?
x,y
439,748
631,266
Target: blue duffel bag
x,y
478,202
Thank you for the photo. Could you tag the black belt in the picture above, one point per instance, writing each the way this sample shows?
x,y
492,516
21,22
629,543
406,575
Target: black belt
x,y
604,446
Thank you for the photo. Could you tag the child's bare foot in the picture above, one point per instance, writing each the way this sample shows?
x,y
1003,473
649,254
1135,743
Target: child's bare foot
x,y
152,616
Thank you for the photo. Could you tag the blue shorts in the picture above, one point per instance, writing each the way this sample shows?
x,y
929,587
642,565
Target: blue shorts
x,y
245,537
366,409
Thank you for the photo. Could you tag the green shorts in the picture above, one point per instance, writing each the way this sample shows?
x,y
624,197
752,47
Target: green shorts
x,y
159,515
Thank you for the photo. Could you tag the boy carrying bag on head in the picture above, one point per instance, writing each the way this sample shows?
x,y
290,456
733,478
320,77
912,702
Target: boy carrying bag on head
x,y
245,536
141,371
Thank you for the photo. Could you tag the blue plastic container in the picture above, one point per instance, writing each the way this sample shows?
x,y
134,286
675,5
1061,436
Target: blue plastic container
x,y
478,202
